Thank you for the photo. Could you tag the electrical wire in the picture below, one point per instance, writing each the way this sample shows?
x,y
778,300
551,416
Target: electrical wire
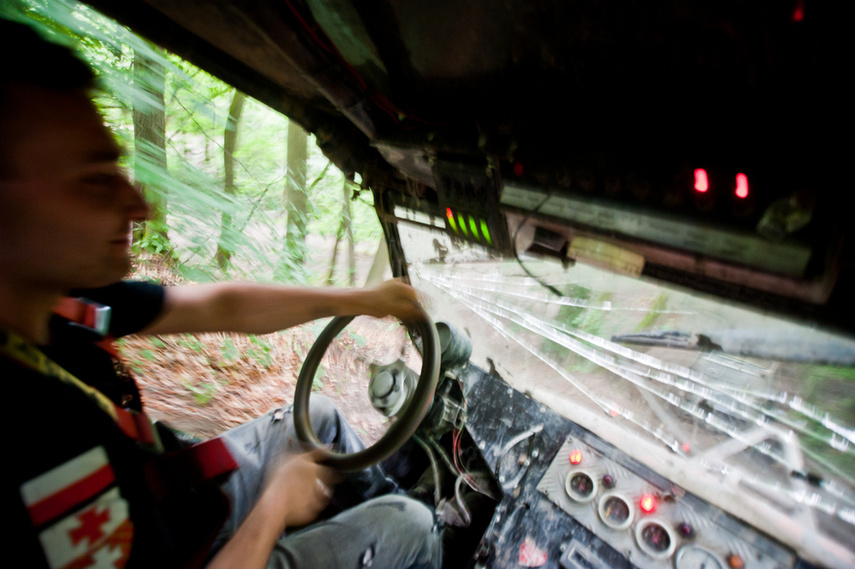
x,y
457,496
537,279
437,496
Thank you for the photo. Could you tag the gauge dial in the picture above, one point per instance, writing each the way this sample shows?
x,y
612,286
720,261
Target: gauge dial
x,y
655,539
615,511
694,557
580,486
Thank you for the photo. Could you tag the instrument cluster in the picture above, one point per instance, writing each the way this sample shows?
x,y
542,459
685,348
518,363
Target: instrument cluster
x,y
650,521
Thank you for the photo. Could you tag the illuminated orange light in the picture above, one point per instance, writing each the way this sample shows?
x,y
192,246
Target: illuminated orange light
x,y
648,504
741,186
702,182
576,457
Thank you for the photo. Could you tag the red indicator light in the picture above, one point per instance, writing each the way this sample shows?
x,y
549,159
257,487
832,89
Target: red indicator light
x,y
702,182
799,11
648,504
518,169
448,213
741,186
576,457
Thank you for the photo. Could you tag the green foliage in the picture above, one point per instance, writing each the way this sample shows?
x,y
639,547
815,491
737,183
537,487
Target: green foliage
x,y
654,314
229,351
361,341
830,388
203,392
261,352
154,239
196,106
318,380
190,342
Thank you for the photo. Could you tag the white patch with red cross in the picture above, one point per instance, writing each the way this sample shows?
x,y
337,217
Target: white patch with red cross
x,y
81,516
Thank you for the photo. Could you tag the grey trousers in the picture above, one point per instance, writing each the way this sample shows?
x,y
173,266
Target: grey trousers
x,y
367,524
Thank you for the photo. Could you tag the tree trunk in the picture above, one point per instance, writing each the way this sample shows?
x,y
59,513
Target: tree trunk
x,y
150,150
225,245
347,221
345,229
296,197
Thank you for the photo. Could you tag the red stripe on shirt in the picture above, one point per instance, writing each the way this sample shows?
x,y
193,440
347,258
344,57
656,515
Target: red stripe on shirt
x,y
63,500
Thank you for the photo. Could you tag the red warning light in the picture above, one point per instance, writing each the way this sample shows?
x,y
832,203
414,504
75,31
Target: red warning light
x,y
576,457
799,11
648,503
702,182
741,186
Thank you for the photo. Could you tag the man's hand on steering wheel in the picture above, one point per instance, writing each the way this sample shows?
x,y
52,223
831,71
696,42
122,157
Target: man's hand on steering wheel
x,y
391,298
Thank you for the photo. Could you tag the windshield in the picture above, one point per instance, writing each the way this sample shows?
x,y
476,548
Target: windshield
x,y
735,393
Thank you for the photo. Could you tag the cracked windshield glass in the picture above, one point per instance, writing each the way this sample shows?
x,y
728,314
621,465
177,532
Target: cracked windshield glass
x,y
730,392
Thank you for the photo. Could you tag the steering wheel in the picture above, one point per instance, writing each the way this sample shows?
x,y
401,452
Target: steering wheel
x,y
400,430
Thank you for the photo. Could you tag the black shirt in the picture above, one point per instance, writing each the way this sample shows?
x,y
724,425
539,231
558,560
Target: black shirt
x,y
76,486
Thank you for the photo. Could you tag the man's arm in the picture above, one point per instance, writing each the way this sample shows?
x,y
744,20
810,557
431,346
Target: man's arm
x,y
260,309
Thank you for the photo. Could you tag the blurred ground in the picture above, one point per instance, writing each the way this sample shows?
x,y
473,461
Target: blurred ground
x,y
207,383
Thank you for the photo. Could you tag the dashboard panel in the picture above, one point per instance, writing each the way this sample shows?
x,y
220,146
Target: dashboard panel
x,y
653,523
573,501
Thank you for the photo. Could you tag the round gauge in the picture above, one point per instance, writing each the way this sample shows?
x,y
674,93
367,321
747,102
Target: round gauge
x,y
580,486
655,539
615,511
694,557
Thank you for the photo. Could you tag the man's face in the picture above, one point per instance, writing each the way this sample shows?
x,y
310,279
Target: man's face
x,y
66,208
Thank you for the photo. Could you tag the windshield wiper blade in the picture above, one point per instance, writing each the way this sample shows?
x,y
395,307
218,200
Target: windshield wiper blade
x,y
669,339
793,345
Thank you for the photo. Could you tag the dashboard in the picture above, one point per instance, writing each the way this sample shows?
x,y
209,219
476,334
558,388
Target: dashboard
x,y
573,501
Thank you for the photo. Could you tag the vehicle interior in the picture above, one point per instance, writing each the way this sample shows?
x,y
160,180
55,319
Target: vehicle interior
x,y
627,221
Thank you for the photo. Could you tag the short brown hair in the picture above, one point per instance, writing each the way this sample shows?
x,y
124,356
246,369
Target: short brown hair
x,y
28,59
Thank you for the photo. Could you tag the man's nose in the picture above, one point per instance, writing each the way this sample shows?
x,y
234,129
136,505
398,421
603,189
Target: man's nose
x,y
136,207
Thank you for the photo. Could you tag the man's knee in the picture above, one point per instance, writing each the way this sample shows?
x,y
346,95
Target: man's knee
x,y
324,415
409,520
409,517
412,513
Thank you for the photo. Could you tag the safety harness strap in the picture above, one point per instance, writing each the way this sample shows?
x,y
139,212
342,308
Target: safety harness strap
x,y
181,469
190,466
135,425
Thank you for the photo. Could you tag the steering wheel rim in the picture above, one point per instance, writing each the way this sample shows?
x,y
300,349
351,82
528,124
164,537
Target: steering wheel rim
x,y
400,430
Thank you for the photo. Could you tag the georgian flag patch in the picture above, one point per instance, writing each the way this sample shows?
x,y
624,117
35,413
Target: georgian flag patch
x,y
80,515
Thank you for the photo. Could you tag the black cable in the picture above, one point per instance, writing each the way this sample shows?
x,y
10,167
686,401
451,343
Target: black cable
x,y
539,280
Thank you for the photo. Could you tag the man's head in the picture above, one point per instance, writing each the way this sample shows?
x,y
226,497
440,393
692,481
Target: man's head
x,y
66,207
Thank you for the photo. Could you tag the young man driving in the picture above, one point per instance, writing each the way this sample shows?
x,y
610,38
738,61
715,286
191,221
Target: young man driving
x,y
89,484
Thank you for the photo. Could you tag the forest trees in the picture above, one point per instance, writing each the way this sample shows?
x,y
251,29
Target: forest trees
x,y
149,124
230,138
216,196
296,199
